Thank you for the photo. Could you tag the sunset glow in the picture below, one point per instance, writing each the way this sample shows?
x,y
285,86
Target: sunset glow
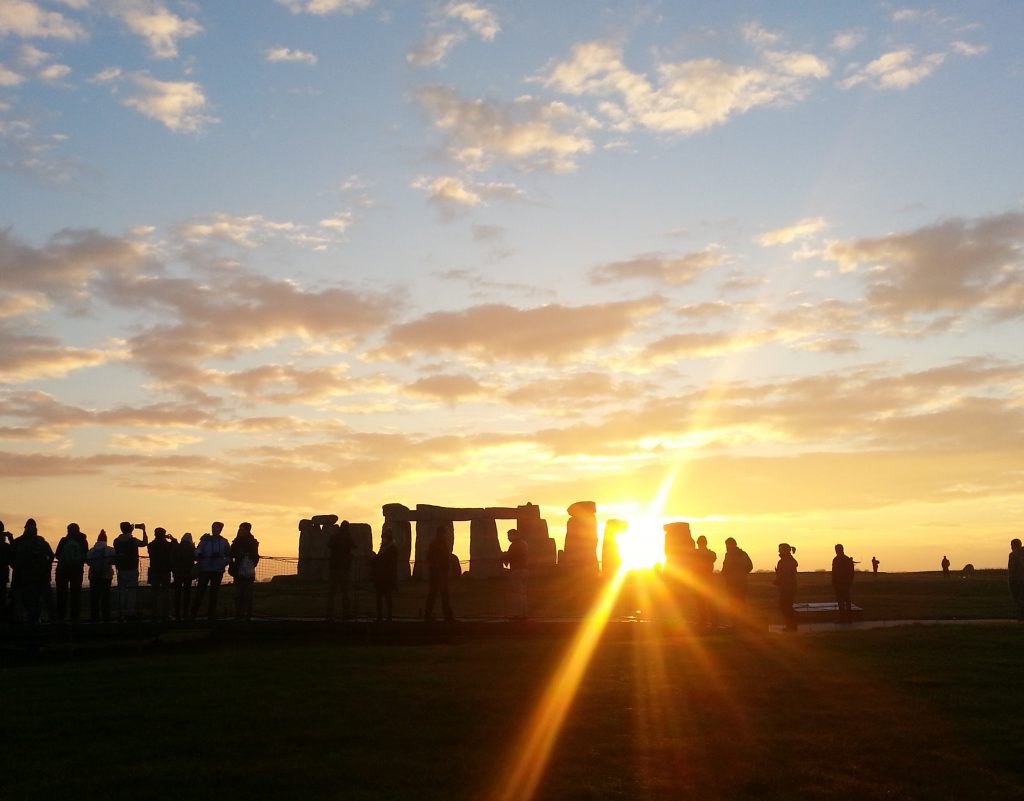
x,y
266,260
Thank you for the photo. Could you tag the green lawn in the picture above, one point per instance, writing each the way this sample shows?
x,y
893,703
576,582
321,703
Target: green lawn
x,y
917,712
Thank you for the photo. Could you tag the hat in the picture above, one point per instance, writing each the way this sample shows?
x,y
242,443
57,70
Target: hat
x,y
102,536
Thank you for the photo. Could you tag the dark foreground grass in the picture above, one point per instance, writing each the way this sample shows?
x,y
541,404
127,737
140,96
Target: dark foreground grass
x,y
914,713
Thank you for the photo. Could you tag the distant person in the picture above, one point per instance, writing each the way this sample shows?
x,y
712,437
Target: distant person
x,y
438,569
161,562
945,566
736,567
183,568
1015,575
785,583
705,602
245,555
30,582
101,574
127,563
71,551
212,556
340,547
517,557
384,574
6,561
874,564
842,583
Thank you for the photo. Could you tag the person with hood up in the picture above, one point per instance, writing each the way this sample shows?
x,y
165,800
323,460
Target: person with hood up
x,y
100,559
785,582
127,564
161,554
183,563
213,555
384,573
71,551
33,560
245,555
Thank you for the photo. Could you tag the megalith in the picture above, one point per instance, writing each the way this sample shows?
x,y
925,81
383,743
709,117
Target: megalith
x,y
581,538
485,549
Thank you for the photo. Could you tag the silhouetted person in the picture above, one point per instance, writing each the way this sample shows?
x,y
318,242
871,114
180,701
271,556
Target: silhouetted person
x,y
101,574
33,558
842,583
161,561
245,555
183,566
71,551
384,574
6,561
1015,575
945,566
785,582
874,564
438,568
705,602
517,557
340,546
127,563
212,555
736,566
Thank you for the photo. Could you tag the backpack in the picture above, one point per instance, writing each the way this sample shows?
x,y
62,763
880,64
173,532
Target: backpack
x,y
71,553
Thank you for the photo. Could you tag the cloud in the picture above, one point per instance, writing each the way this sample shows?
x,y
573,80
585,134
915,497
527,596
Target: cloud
x,y
661,268
434,48
179,105
450,388
495,332
481,20
246,231
526,132
567,392
688,96
9,77
286,54
962,48
158,27
148,443
324,7
847,40
954,266
443,37
26,357
29,20
801,229
897,69
451,195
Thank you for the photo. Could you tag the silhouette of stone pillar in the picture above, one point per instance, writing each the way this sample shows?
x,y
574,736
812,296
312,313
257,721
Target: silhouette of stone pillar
x,y
611,558
534,530
313,547
484,548
679,546
396,517
362,540
581,538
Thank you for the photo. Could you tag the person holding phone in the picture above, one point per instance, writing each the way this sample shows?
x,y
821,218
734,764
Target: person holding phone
x,y
126,548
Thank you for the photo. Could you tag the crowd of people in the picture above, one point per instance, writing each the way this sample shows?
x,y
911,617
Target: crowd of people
x,y
174,566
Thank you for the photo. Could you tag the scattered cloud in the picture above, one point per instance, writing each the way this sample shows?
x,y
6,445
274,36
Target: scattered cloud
x,y
158,27
324,7
687,96
30,20
670,270
451,195
286,54
527,132
801,229
897,69
954,266
434,48
148,443
179,105
495,332
847,40
449,388
457,20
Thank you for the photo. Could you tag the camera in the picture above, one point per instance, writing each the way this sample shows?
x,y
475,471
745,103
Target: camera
x,y
140,525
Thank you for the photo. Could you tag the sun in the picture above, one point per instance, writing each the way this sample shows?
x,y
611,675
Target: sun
x,y
642,545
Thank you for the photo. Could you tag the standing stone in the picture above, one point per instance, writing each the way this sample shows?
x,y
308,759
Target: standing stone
x,y
581,538
679,546
426,530
534,529
484,548
396,517
611,558
362,539
313,547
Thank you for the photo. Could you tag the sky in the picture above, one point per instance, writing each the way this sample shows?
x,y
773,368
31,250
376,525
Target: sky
x,y
265,259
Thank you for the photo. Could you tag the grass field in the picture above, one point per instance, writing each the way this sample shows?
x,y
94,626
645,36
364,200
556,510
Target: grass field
x,y
886,596
916,712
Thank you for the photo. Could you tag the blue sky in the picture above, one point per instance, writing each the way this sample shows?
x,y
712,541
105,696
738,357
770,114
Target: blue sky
x,y
264,259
